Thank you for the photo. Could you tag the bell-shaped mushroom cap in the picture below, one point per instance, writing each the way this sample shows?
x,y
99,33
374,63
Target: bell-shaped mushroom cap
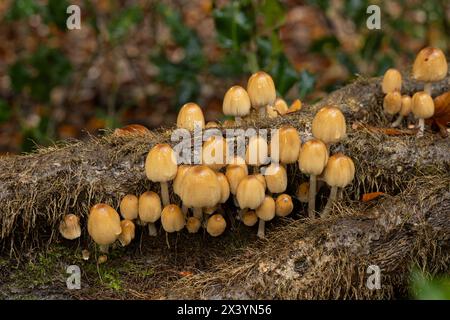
x,y
224,187
128,232
149,207
249,218
285,145
430,65
235,172
236,102
392,81
313,157
178,181
281,106
422,105
250,192
69,227
283,205
214,152
132,129
406,105
201,188
257,151
172,219
193,224
266,211
129,207
104,224
392,102
211,124
328,125
161,163
189,116
216,225
339,171
210,210
303,192
276,178
261,90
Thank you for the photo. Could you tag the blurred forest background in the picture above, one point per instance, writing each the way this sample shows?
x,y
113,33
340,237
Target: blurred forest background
x,y
138,61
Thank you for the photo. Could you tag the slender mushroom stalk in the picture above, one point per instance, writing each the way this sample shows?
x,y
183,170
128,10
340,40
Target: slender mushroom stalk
x,y
422,108
261,229
427,87
198,213
339,172
261,90
262,113
265,212
312,160
165,193
404,111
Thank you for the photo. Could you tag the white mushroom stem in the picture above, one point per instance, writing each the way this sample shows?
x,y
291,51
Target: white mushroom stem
x,y
152,230
312,196
198,213
262,112
397,122
427,88
104,248
261,229
421,127
165,193
184,209
330,201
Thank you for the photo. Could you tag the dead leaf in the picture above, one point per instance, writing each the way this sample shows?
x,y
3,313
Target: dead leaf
x,y
185,273
441,117
295,106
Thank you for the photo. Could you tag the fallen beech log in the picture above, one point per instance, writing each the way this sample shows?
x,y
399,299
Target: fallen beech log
x,y
38,188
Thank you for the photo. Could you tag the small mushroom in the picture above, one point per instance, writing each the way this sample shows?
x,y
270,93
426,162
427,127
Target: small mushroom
x,y
193,224
265,212
129,207
261,90
236,103
283,205
281,106
178,182
211,124
235,172
172,218
250,192
214,152
276,178
271,112
405,110
392,103
69,227
128,232
312,160
249,218
224,187
257,152
216,225
104,225
303,192
161,166
430,66
102,259
422,106
339,172
285,145
149,210
189,116
392,81
201,188
329,125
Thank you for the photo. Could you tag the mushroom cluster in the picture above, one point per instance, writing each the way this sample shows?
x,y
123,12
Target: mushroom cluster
x,y
429,66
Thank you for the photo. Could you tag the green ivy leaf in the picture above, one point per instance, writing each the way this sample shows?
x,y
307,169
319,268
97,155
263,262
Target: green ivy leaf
x,y
307,82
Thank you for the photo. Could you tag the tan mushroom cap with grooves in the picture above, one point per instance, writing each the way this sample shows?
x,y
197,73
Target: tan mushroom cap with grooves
x,y
392,81
214,152
201,188
329,125
249,218
193,224
69,227
276,178
250,192
392,103
216,225
161,163
104,224
266,211
172,219
281,106
128,232
129,207
149,208
406,105
283,205
235,172
236,102
422,105
340,171
313,157
430,65
288,143
190,115
178,181
224,187
303,192
261,90
257,152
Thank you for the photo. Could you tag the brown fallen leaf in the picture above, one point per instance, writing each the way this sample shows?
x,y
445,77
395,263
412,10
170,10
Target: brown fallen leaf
x,y
131,129
441,117
185,273
371,196
295,106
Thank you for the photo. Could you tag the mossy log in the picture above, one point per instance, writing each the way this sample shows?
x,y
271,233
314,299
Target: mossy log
x,y
320,258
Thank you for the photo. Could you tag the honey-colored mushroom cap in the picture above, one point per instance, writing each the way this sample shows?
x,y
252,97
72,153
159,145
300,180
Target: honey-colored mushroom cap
x,y
313,157
161,163
430,65
128,232
201,188
129,207
172,219
190,115
69,227
329,125
340,171
216,225
261,90
392,103
276,178
149,207
422,105
285,145
392,81
236,102
283,205
266,211
250,192
104,224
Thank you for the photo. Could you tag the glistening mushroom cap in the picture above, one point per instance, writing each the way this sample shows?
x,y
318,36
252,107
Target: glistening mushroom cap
x,y
193,224
224,187
430,65
250,192
216,225
178,181
236,102
201,188
406,105
261,90
392,81
172,219
235,172
266,211
283,205
422,105
214,152
313,157
340,171
285,145
189,116
161,163
329,125
104,224
249,218
392,102
70,227
276,178
128,232
257,151
149,207
303,192
129,207
281,106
